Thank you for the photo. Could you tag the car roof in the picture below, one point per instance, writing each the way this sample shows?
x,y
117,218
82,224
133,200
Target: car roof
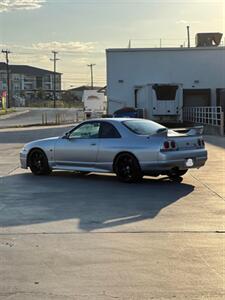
x,y
115,119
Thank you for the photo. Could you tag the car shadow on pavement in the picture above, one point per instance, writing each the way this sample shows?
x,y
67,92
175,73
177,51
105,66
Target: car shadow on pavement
x,y
97,201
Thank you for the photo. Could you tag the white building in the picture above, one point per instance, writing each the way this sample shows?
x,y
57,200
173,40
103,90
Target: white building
x,y
199,71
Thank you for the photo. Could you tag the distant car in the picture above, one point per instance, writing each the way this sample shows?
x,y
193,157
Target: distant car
x,y
129,147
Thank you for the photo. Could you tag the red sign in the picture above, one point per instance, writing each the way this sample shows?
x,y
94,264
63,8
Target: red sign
x,y
4,94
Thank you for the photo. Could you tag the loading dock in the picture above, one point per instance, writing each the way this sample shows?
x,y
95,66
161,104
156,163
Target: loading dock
x,y
196,97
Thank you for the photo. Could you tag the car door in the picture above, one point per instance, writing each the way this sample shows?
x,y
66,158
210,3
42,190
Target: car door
x,y
79,149
110,144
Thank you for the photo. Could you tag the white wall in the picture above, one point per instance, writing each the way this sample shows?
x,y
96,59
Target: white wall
x,y
162,65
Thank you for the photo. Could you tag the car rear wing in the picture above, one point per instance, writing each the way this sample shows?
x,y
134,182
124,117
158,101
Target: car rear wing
x,y
196,130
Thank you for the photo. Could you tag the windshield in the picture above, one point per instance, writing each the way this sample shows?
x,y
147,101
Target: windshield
x,y
143,127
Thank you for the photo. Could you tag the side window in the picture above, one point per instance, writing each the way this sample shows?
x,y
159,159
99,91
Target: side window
x,y
86,131
109,131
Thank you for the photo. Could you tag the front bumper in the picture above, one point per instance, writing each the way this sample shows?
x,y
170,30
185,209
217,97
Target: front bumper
x,y
23,159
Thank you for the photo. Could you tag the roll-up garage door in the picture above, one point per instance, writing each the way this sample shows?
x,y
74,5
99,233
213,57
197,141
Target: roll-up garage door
x,y
196,97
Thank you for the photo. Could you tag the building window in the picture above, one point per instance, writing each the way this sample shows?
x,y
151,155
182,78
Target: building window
x,y
16,88
39,82
47,78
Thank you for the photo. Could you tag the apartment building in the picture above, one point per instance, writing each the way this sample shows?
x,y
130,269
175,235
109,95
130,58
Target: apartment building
x,y
26,81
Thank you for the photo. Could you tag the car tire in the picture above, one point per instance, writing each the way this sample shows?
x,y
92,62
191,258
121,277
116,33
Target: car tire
x,y
128,169
177,173
38,163
82,173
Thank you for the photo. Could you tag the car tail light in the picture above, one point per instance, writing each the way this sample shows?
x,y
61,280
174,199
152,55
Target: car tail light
x,y
166,145
169,145
201,143
173,144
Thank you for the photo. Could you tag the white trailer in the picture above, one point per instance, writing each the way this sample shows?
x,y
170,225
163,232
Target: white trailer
x,y
160,102
94,102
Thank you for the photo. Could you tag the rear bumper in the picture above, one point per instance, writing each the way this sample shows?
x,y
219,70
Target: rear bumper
x,y
171,160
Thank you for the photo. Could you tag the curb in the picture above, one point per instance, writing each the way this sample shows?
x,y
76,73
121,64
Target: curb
x,y
36,125
7,116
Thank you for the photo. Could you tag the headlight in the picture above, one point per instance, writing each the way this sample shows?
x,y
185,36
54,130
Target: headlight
x,y
24,149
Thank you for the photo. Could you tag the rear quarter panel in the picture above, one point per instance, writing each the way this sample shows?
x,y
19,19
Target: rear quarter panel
x,y
144,148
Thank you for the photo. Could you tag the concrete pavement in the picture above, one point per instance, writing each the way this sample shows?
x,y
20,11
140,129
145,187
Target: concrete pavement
x,y
69,236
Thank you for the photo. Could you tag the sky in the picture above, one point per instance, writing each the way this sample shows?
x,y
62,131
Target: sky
x,y
81,30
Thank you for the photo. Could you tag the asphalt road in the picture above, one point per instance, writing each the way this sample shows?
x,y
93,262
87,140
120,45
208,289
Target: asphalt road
x,y
67,236
35,116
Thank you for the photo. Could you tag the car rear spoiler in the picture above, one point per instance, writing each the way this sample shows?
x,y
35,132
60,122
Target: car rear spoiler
x,y
197,130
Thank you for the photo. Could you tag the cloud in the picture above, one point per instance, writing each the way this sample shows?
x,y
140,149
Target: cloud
x,y
71,47
181,22
10,5
74,57
65,46
185,22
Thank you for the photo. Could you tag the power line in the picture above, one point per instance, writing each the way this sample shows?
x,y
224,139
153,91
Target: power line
x,y
7,52
54,59
91,68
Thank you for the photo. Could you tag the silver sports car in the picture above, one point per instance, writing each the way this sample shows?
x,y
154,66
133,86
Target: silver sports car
x,y
128,147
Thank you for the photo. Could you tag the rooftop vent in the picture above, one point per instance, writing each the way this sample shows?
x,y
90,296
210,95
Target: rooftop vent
x,y
210,39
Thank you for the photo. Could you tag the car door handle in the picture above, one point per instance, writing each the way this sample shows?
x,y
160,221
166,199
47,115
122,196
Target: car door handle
x,y
93,144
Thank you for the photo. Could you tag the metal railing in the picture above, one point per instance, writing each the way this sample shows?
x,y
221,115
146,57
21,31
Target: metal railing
x,y
207,115
60,118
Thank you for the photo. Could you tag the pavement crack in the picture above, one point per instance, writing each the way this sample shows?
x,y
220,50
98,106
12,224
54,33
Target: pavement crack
x,y
56,296
208,187
13,170
114,232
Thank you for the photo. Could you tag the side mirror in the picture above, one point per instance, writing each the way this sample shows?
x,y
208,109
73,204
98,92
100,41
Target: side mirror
x,y
66,135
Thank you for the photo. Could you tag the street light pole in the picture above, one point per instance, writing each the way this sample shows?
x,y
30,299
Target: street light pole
x,y
7,52
92,80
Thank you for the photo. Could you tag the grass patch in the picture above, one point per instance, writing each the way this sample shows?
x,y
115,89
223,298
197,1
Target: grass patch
x,y
6,112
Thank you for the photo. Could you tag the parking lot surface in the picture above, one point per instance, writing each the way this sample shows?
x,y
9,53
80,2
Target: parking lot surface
x,y
70,236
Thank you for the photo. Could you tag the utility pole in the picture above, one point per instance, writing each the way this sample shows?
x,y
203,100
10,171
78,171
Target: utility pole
x,y
188,36
160,43
54,59
91,67
7,52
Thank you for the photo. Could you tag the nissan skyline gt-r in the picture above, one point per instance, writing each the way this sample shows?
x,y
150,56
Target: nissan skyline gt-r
x,y
131,148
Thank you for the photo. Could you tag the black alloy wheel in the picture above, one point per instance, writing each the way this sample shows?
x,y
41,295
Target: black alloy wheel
x,y
38,163
127,169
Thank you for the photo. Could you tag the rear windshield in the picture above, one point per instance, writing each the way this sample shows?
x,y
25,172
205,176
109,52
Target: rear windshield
x,y
143,127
